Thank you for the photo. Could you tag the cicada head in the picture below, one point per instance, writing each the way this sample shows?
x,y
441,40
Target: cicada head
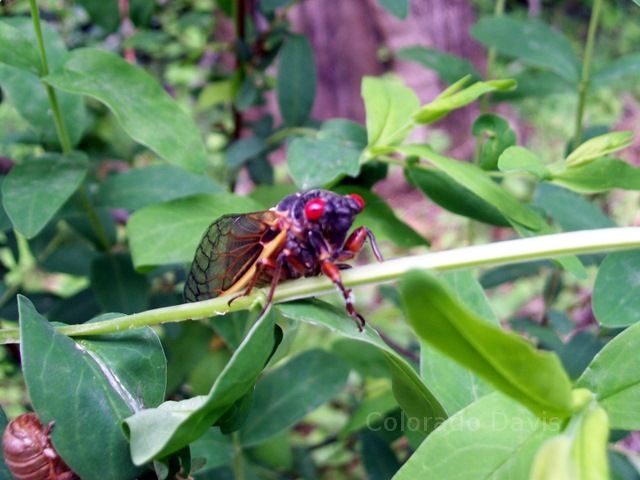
x,y
329,213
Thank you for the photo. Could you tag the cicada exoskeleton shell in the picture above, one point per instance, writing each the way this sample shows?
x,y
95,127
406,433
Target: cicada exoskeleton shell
x,y
29,453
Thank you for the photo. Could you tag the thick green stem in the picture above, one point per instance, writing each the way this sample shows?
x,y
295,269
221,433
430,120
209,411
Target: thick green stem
x,y
583,86
499,253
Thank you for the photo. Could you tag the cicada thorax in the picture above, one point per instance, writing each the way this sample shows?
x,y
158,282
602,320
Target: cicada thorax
x,y
29,453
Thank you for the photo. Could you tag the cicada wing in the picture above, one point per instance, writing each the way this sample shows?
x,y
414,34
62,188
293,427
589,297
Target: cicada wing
x,y
230,246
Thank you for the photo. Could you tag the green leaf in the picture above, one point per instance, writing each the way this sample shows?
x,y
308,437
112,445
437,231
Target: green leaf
x,y
494,136
158,432
17,50
269,6
170,232
455,386
381,219
520,159
118,287
449,67
599,176
571,211
449,194
145,111
101,378
493,438
241,151
379,460
389,106
140,187
530,41
617,388
536,83
4,471
616,293
214,447
599,147
476,180
534,378
36,189
621,68
412,395
284,396
580,452
215,93
444,104
296,85
397,8
578,352
318,162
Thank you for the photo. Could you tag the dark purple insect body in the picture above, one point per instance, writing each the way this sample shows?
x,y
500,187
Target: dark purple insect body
x,y
29,453
305,235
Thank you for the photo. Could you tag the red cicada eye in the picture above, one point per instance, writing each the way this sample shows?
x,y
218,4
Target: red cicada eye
x,y
359,200
314,209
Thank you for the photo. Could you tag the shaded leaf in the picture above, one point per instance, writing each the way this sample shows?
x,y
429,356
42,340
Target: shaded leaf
x,y
296,85
616,70
380,462
140,187
616,293
214,447
35,190
16,49
494,136
397,8
243,150
118,287
599,147
145,111
4,471
285,395
534,378
166,233
449,67
103,374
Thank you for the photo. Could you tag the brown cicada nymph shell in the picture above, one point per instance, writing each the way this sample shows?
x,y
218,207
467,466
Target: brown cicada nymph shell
x,y
29,453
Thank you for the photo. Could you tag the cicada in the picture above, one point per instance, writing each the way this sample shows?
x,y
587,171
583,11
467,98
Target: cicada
x,y
305,235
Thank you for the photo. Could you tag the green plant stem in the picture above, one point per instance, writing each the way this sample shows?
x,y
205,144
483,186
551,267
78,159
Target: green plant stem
x,y
238,467
583,86
498,11
499,253
280,135
61,128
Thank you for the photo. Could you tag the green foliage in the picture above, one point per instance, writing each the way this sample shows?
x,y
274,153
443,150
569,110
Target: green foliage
x,y
127,133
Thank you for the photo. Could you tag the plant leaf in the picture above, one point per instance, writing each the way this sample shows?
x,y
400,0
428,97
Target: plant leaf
x,y
389,106
531,41
4,471
318,162
616,299
449,67
118,287
534,378
616,70
617,389
444,104
599,175
166,233
103,374
140,187
17,50
397,8
285,395
158,432
476,180
36,189
599,147
410,392
512,431
296,84
520,159
145,111
494,136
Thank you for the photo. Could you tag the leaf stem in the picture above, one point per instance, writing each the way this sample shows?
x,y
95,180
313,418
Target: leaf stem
x,y
583,86
499,253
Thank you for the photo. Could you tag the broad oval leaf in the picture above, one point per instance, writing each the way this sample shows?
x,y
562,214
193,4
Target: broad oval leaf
x,y
36,189
296,80
166,233
17,50
389,106
145,111
512,365
318,162
158,432
449,67
410,392
616,293
520,159
140,187
117,286
599,175
285,395
101,377
599,147
531,41
498,434
617,388
476,180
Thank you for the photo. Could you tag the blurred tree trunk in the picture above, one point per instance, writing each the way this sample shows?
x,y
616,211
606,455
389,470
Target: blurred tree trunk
x,y
349,35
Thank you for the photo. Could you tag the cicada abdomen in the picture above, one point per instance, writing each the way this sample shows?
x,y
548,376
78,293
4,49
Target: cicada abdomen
x,y
29,453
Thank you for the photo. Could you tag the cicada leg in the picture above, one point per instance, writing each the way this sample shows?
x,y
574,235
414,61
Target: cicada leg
x,y
355,242
332,271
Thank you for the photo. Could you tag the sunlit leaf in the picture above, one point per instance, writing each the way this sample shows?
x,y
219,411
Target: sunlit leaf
x,y
599,147
616,293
